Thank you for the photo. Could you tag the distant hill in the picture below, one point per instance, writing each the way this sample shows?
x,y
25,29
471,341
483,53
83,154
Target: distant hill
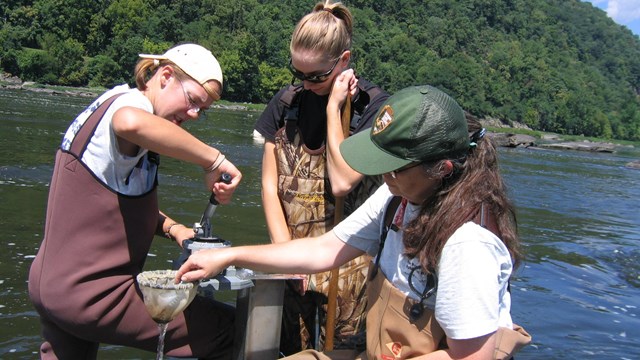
x,y
554,65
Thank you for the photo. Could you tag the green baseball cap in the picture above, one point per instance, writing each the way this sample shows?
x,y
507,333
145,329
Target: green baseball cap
x,y
416,124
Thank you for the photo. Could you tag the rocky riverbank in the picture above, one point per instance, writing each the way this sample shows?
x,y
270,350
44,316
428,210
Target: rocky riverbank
x,y
11,82
14,83
555,142
502,139
550,142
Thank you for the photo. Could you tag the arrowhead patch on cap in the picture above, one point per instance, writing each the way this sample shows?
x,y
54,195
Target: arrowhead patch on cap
x,y
383,120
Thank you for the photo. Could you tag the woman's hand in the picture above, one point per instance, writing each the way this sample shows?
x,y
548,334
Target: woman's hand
x,y
202,264
223,191
181,233
345,83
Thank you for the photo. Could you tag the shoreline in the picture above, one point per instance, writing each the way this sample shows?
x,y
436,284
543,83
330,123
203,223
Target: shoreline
x,y
14,83
518,135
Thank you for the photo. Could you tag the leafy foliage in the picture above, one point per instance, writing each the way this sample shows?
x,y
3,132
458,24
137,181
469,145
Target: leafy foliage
x,y
555,65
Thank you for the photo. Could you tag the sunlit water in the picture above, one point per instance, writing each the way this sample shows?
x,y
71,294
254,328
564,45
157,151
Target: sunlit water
x,y
577,293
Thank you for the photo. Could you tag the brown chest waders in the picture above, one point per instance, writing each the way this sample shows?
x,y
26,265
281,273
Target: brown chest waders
x,y
82,281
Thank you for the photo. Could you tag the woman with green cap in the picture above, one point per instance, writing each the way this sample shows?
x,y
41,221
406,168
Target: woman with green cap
x,y
441,231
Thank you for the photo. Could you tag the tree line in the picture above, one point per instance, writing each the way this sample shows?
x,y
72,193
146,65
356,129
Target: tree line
x,y
554,65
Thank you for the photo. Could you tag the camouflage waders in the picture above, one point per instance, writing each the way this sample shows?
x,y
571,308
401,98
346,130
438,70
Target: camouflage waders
x,y
305,194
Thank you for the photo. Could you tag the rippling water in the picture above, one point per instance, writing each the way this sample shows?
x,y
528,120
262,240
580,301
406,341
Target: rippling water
x,y
577,293
579,289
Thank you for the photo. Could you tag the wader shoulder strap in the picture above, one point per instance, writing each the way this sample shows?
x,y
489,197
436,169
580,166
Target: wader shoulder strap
x,y
362,100
289,96
372,91
486,219
389,212
81,140
291,101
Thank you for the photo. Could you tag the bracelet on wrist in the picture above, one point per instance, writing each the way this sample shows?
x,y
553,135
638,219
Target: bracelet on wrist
x,y
168,232
206,169
216,164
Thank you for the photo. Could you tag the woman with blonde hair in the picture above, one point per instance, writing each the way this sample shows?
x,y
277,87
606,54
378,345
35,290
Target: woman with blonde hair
x,y
303,171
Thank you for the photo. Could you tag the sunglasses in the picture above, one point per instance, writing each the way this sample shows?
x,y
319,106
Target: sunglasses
x,y
395,173
319,78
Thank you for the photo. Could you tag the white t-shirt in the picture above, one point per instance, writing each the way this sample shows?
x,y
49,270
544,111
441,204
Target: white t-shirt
x,y
102,155
472,275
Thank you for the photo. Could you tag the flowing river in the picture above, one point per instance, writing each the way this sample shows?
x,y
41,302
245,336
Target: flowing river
x,y
577,292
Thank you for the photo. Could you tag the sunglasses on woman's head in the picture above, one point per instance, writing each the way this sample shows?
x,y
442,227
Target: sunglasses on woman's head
x,y
319,78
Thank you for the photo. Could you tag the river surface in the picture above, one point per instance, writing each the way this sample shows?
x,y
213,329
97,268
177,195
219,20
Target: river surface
x,y
577,292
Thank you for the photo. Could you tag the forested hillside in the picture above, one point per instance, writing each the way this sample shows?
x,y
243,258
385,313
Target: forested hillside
x,y
555,65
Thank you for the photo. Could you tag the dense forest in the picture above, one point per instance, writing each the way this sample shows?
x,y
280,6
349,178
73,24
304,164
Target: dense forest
x,y
554,65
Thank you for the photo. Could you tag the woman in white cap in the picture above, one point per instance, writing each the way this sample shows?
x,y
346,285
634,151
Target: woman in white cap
x,y
102,214
442,232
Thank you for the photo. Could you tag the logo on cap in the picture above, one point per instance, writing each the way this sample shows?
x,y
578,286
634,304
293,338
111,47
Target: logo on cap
x,y
383,120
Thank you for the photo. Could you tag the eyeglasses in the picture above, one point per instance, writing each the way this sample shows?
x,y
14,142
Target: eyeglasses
x,y
192,104
319,78
395,173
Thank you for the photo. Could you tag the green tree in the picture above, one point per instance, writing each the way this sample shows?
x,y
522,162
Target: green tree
x,y
271,80
66,18
126,17
69,61
555,65
37,65
241,73
103,71
9,48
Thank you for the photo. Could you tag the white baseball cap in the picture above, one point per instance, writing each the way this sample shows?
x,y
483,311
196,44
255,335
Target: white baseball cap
x,y
193,59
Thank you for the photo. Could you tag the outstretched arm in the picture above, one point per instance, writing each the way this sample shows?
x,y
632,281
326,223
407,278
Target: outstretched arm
x,y
308,256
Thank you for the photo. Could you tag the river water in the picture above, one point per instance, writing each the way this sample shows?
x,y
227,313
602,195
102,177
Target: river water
x,y
577,292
